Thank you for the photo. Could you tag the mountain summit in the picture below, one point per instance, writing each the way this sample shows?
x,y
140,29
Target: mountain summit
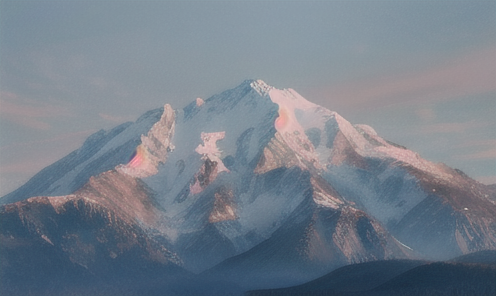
x,y
256,187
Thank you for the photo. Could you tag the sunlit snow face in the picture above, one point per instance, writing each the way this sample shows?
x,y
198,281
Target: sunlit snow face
x,y
138,158
282,120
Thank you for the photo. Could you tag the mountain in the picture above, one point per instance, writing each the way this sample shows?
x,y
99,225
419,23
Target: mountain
x,y
252,188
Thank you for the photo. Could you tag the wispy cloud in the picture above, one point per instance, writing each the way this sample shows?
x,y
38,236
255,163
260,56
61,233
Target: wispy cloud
x,y
19,161
23,166
480,150
452,127
66,72
426,114
75,138
114,118
478,143
469,74
486,154
29,113
487,179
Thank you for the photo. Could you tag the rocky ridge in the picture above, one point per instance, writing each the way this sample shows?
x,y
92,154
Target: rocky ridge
x,y
256,185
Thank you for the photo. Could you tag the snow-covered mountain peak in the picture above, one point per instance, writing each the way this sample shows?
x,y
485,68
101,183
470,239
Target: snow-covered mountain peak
x,y
154,147
261,87
291,124
255,177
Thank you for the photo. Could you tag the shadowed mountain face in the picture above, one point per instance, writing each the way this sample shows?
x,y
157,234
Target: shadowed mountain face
x,y
255,187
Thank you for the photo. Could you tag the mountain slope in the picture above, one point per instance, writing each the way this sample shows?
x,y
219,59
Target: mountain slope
x,y
257,182
312,242
102,151
50,245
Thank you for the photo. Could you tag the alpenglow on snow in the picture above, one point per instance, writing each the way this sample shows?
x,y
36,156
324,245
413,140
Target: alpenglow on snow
x,y
256,187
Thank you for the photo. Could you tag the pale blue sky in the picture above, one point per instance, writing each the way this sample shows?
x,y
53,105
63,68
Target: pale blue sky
x,y
422,73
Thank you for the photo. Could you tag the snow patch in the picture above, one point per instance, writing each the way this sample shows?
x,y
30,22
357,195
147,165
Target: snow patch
x,y
288,126
367,129
212,165
210,150
58,201
402,244
261,87
387,151
153,148
47,239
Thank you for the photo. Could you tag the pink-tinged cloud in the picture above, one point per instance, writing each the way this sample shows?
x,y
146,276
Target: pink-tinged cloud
x,y
478,143
74,139
18,162
25,167
486,179
426,114
483,150
470,74
481,155
29,113
452,127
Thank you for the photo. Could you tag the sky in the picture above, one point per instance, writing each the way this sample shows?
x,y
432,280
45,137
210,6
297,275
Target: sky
x,y
421,73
